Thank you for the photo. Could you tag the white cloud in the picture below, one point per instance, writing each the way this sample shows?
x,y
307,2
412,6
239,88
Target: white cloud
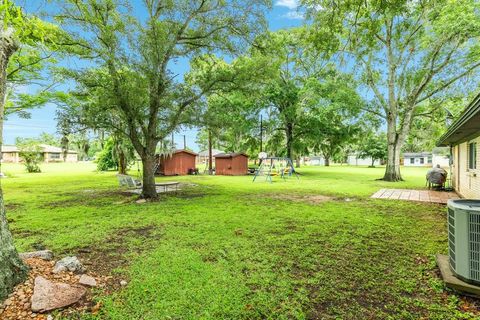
x,y
293,15
290,4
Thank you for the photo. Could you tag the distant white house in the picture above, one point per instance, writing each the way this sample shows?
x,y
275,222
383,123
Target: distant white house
x,y
355,160
417,159
49,153
317,161
425,159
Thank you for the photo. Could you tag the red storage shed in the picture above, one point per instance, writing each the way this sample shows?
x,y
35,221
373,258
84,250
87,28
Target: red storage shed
x,y
178,163
231,164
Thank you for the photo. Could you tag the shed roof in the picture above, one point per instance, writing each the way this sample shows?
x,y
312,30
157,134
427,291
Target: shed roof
x,y
230,155
466,127
185,151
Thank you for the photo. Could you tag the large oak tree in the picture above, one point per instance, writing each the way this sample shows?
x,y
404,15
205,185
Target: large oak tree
x,y
406,53
132,59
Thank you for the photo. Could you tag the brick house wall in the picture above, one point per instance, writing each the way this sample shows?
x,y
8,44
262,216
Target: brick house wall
x,y
11,157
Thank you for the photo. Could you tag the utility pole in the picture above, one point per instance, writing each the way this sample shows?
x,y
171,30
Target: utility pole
x,y
261,133
210,168
184,143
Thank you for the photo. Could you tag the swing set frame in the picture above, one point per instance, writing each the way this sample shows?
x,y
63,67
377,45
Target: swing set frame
x,y
273,166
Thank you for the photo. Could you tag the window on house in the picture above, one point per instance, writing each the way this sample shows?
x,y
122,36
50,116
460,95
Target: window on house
x,y
54,155
430,160
472,155
422,160
412,160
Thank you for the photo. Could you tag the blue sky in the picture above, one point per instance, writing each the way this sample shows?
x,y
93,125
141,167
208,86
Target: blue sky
x,y
284,14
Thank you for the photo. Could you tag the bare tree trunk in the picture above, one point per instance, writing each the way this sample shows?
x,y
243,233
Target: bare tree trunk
x,y
395,141
12,269
210,156
327,161
289,137
122,162
149,190
392,171
297,162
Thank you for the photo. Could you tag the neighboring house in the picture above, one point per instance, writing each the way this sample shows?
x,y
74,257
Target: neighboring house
x,y
203,155
355,160
463,137
417,159
180,162
50,154
10,154
442,160
317,161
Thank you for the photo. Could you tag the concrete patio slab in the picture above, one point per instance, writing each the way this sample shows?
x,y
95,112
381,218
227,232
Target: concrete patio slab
x,y
453,282
416,195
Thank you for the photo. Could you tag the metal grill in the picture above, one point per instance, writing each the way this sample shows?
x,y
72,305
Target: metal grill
x,y
474,245
451,237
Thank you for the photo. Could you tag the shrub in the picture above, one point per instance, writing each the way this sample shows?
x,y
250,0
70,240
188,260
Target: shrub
x,y
31,154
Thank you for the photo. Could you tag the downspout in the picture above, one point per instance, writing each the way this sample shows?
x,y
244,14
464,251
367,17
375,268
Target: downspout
x,y
450,164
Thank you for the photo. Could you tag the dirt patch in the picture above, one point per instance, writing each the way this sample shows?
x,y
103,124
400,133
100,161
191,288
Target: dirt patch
x,y
104,259
188,195
13,206
312,199
25,233
80,199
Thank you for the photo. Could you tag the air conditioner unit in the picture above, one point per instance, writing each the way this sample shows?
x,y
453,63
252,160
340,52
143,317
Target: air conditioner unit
x,y
464,239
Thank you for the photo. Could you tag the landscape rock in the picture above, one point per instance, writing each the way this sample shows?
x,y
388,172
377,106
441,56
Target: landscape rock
x,y
48,295
123,283
42,254
87,280
69,263
141,201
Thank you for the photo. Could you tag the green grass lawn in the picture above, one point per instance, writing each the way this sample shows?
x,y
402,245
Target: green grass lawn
x,y
227,248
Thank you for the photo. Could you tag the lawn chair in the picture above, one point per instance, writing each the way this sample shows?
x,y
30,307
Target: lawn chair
x,y
128,181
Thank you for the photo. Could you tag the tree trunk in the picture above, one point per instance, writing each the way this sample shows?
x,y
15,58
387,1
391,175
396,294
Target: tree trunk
x,y
122,162
210,156
394,146
289,137
327,161
392,171
149,190
86,148
297,162
12,269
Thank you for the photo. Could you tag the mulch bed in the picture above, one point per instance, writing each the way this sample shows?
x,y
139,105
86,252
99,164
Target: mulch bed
x,y
17,306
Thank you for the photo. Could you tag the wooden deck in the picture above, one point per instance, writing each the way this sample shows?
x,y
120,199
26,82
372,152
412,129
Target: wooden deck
x,y
415,195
